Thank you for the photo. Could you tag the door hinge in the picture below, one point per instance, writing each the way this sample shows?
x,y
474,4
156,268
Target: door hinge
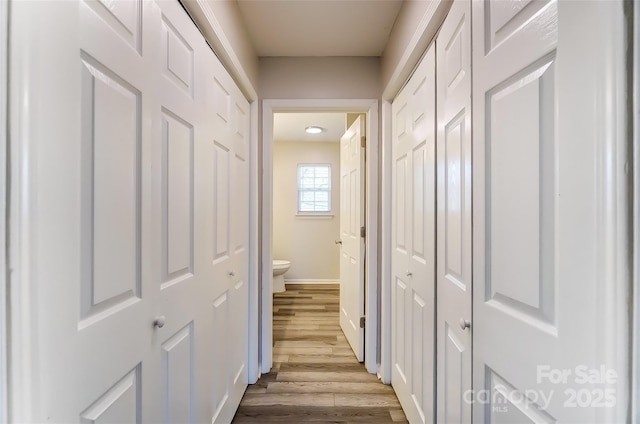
x,y
363,141
363,232
362,322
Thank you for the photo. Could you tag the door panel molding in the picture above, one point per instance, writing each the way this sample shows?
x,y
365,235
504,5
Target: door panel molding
x,y
413,237
554,121
4,189
454,163
122,402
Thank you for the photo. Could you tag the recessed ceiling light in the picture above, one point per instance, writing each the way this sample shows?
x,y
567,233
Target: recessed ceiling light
x,y
314,130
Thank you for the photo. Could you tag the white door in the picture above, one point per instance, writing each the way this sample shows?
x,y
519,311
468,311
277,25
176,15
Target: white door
x,y
454,284
225,188
114,123
543,295
352,249
86,149
203,196
177,136
413,241
515,310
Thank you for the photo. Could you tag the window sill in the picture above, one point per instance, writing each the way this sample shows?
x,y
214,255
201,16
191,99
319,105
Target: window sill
x,y
315,215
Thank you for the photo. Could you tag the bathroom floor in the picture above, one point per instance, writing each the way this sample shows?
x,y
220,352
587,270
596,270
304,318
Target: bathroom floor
x,y
315,376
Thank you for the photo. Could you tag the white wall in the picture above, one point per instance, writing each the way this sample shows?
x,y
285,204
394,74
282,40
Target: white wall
x,y
307,241
415,27
4,35
319,78
222,25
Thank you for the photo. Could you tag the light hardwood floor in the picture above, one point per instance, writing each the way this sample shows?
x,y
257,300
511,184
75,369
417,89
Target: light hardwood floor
x,y
315,376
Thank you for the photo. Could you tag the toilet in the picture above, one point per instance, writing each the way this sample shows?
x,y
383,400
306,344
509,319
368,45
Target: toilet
x,y
280,267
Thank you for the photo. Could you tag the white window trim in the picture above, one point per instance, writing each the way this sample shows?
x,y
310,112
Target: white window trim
x,y
299,212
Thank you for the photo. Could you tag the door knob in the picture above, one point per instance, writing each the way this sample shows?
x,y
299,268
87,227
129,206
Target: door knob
x,y
338,241
464,324
159,321
409,273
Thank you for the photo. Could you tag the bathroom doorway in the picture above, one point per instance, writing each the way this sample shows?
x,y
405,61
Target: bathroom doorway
x,y
318,201
301,213
306,197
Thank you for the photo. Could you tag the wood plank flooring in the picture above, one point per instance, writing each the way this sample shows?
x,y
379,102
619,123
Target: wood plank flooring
x,y
315,376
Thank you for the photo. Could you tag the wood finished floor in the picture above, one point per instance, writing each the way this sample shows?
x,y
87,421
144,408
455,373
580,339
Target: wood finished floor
x,y
315,375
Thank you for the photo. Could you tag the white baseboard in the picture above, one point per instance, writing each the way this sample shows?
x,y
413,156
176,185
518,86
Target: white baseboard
x,y
310,281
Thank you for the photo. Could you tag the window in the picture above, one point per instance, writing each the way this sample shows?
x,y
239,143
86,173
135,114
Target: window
x,y
314,188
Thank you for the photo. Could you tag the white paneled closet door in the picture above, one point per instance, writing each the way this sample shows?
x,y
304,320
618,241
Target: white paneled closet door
x,y
177,133
516,307
413,243
132,232
454,286
543,303
226,194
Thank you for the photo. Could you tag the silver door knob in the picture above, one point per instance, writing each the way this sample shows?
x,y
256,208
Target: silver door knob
x,y
338,241
464,324
231,273
159,321
409,273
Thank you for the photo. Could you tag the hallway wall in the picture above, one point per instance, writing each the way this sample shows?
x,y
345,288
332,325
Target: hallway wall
x,y
319,78
229,39
415,27
306,241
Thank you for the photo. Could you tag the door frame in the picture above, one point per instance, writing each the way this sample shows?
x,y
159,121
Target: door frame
x,y
370,107
635,81
253,361
4,87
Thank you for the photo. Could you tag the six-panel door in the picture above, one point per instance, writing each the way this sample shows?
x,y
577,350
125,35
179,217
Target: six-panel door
x,y
454,285
352,246
538,304
413,239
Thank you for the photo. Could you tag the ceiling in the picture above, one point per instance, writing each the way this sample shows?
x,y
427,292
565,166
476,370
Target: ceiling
x,y
290,126
319,27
